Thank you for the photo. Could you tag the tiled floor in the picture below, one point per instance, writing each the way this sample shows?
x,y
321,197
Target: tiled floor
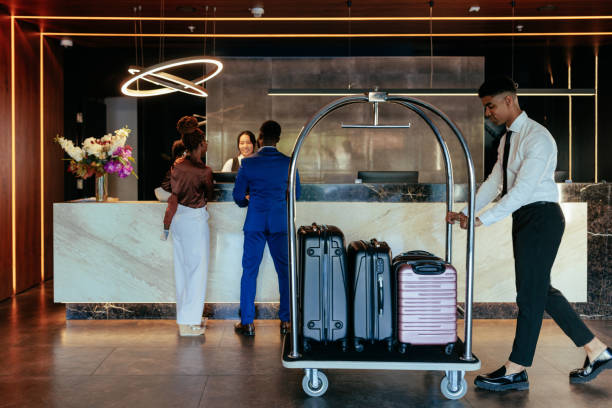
x,y
48,362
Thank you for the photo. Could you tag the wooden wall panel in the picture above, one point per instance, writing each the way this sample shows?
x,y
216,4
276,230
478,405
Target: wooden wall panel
x,y
6,265
53,125
27,157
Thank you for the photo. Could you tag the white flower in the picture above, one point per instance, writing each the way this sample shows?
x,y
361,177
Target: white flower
x,y
123,132
76,153
92,147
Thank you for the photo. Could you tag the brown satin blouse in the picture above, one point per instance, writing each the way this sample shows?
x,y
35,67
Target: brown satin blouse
x,y
192,186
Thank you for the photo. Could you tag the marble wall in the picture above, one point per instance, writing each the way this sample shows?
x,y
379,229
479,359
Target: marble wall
x,y
239,100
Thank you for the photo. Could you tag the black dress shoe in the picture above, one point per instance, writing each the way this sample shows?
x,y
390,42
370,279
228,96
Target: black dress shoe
x,y
285,327
499,381
592,370
245,329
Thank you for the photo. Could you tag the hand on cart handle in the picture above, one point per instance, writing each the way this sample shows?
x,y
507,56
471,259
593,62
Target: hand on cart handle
x,y
451,217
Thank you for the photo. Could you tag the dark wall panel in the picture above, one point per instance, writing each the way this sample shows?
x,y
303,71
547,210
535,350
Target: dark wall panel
x,y
605,107
27,157
53,125
6,271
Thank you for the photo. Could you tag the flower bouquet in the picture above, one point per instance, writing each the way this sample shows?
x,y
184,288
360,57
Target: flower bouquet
x,y
106,155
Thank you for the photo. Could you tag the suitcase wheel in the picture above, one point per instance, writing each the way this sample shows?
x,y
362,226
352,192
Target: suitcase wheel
x,y
447,389
306,346
323,383
344,345
449,348
403,347
390,345
358,346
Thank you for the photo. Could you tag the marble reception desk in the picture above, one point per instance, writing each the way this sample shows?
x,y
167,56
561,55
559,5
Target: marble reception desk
x,y
109,261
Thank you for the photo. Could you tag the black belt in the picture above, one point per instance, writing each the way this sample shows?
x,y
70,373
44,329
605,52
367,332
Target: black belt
x,y
535,205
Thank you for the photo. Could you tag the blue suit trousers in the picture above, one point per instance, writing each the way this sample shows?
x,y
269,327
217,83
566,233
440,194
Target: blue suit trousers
x,y
254,244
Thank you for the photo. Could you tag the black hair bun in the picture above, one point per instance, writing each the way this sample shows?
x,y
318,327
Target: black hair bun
x,y
186,125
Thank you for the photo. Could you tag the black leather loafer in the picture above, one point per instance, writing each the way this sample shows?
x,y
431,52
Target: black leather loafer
x,y
245,329
591,370
499,381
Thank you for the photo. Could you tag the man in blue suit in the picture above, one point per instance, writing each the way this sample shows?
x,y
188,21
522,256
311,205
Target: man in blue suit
x,y
261,184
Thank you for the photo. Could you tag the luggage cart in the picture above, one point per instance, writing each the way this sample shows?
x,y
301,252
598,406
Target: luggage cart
x,y
461,359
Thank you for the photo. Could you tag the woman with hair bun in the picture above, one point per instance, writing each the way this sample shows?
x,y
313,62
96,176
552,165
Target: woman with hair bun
x,y
186,217
246,147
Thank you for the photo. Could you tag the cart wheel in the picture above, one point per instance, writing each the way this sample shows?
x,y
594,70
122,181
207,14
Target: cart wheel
x,y
446,391
449,348
402,348
315,392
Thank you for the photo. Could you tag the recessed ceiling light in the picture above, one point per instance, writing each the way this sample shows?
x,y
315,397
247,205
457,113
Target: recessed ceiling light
x,y
257,11
548,7
520,28
474,9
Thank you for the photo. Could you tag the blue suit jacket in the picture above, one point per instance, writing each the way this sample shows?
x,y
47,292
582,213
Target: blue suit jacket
x,y
264,176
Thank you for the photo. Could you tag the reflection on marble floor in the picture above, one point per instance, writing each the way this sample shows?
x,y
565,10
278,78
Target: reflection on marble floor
x,y
50,362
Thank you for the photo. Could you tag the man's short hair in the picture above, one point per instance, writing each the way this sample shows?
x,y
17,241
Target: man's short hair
x,y
270,132
496,86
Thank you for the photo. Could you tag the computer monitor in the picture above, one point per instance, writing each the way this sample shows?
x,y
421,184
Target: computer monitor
x,y
224,177
409,177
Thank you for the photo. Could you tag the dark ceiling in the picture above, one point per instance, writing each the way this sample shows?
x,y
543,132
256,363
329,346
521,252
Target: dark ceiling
x,y
325,8
308,8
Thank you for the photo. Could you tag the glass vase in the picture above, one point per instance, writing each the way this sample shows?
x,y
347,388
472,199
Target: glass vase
x,y
101,187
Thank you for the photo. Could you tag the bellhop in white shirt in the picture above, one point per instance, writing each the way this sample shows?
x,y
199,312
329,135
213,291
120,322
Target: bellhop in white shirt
x,y
524,177
532,160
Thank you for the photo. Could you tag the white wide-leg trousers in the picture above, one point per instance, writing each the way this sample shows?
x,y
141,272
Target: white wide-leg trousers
x,y
191,239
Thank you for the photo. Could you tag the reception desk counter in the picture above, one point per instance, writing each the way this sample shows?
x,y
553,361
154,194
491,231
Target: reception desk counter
x,y
109,261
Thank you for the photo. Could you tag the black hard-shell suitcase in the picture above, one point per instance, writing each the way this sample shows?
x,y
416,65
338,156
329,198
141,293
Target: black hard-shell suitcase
x,y
371,293
323,285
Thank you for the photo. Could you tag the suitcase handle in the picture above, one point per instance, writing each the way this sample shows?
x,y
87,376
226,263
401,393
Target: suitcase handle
x,y
381,301
429,267
417,252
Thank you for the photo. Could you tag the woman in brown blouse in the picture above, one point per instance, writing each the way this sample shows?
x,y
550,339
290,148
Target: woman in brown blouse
x,y
187,219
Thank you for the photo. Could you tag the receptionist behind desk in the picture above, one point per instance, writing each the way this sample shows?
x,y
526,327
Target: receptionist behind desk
x,y
246,146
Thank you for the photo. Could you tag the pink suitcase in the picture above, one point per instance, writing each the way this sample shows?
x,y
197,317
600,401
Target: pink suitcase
x,y
426,303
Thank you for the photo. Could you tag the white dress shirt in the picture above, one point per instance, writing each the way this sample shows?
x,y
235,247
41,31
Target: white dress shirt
x,y
227,167
532,161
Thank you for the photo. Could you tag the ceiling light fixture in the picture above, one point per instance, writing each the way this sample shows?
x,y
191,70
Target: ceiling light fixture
x,y
257,11
169,83
66,42
236,19
474,9
428,92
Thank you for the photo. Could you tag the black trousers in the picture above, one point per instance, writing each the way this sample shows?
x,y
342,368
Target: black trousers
x,y
536,234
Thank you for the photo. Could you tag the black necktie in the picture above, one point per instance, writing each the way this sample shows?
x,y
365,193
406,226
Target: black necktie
x,y
505,164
